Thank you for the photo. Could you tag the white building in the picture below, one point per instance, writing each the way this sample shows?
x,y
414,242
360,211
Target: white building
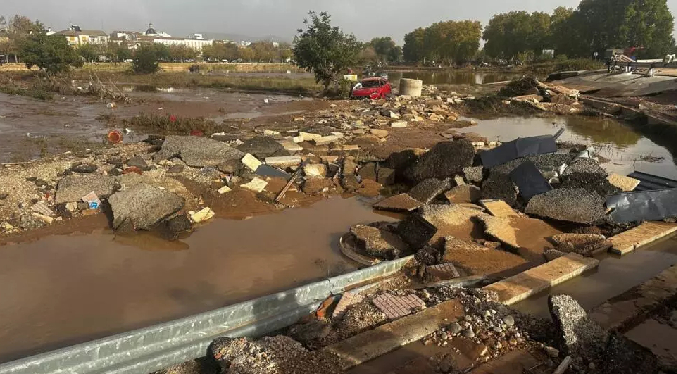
x,y
76,36
196,41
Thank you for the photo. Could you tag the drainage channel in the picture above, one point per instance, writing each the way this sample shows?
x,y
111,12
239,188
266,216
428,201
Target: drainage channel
x,y
150,349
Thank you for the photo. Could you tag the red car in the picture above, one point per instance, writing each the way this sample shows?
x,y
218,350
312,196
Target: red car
x,y
372,88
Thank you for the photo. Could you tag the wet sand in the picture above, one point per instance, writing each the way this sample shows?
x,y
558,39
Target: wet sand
x,y
65,289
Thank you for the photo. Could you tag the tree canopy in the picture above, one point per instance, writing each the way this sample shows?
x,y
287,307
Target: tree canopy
x,y
49,53
324,50
386,50
450,41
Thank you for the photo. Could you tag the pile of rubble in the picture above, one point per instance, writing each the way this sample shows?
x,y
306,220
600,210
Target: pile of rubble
x,y
543,96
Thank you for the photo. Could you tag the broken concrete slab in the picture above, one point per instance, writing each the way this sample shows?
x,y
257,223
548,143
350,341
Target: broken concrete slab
x,y
572,205
73,187
379,133
196,151
399,124
283,161
416,231
378,242
441,272
464,194
290,146
625,184
427,190
642,235
500,229
475,259
251,162
324,140
581,337
257,185
541,278
386,338
583,244
308,137
444,160
142,206
398,203
499,208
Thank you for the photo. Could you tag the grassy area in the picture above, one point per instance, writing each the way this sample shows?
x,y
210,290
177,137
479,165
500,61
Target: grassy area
x,y
158,124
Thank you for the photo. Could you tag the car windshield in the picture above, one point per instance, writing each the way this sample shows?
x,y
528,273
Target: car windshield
x,y
371,83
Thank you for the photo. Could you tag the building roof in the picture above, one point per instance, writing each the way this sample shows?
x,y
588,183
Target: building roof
x,y
83,32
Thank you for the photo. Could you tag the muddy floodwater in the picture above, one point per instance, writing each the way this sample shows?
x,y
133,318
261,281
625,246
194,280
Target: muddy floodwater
x,y
62,290
625,148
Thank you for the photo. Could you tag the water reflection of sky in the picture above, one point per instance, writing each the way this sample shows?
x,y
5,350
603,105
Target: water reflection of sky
x,y
609,138
452,77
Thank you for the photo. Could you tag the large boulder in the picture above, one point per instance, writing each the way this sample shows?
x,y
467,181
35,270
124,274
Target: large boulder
x,y
197,152
262,147
73,187
444,160
143,206
572,205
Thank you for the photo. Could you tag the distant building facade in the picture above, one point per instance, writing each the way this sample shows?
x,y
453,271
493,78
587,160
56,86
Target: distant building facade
x,y
76,36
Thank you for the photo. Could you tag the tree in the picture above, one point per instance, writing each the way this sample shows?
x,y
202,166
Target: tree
x,y
264,51
510,34
181,53
414,46
49,53
146,59
324,50
368,55
89,52
286,52
386,49
247,54
118,52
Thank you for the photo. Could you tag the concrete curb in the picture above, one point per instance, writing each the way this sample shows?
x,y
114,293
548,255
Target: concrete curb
x,y
153,348
641,235
541,278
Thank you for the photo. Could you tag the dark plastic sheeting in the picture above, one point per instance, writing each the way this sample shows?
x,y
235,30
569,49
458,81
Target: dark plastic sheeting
x,y
521,147
529,180
643,206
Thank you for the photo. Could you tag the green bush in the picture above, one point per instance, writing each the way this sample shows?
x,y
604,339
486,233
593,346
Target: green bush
x,y
146,60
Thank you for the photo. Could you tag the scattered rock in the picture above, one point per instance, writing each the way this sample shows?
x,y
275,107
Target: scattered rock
x,y
444,160
350,183
398,203
143,206
72,188
262,147
573,205
172,228
369,171
138,162
178,169
196,151
379,133
378,242
416,231
224,190
28,221
315,170
385,176
84,168
583,244
464,194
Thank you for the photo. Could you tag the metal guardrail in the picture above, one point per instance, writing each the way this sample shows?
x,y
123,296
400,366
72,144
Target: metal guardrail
x,y
153,348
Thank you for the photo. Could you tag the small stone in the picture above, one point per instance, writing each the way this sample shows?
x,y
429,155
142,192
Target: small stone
x,y
315,170
137,161
509,320
469,333
177,169
84,168
498,329
223,190
379,133
201,216
455,328
399,124
256,185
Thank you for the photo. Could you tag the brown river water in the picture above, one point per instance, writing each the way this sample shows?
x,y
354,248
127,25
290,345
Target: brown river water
x,y
66,289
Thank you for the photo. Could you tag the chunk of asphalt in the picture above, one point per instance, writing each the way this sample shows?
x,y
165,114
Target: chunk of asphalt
x,y
583,244
518,148
429,189
444,160
572,205
499,186
474,174
398,203
416,231
580,336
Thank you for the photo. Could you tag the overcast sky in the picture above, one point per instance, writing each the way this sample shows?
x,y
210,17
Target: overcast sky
x,y
364,18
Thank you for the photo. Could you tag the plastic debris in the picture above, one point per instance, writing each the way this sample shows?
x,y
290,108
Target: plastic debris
x,y
643,206
92,200
521,147
529,180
